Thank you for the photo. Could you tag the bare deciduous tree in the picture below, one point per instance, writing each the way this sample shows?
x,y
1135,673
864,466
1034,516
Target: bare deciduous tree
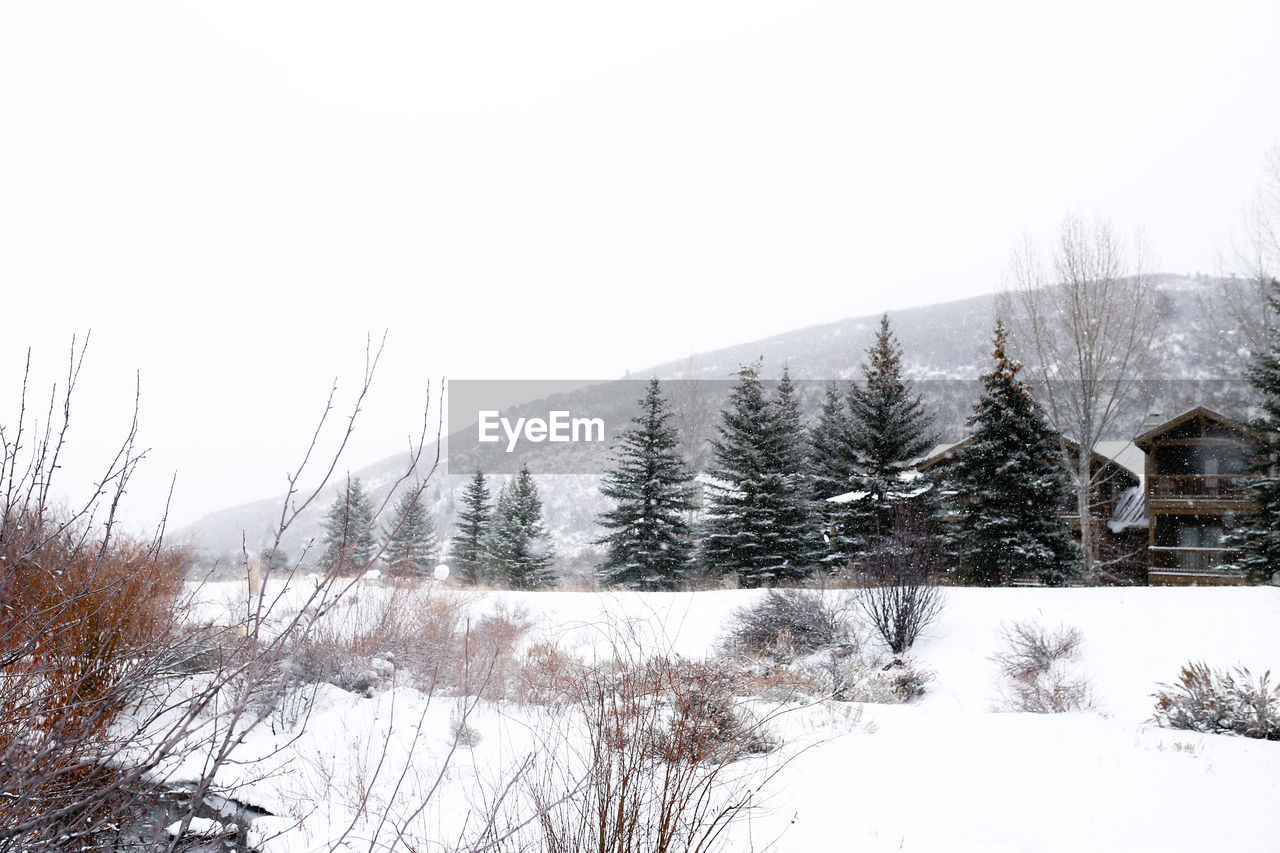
x,y
898,590
1246,300
1086,325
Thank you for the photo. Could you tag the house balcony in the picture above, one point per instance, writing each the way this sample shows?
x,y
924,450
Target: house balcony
x,y
1217,487
1194,494
1190,565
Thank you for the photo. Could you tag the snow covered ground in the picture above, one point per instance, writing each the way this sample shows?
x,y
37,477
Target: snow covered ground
x,y
944,773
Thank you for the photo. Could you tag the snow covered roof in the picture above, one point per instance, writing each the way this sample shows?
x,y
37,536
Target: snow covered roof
x,y
1126,454
906,478
1190,414
938,453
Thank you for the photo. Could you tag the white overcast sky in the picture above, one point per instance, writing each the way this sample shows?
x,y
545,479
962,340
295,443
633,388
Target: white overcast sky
x,y
231,194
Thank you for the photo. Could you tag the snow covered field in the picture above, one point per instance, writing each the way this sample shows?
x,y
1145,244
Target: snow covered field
x,y
943,773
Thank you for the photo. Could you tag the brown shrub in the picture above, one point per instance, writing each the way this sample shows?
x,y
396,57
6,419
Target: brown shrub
x,y
78,614
546,676
370,634
491,642
84,628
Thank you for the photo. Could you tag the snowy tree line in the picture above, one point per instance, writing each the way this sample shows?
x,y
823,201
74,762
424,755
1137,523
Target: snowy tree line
x,y
783,500
502,544
407,545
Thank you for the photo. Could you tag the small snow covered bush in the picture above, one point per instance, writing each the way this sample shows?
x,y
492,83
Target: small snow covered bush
x,y
906,679
788,623
489,646
545,676
463,733
707,720
374,633
1220,702
1041,669
860,678
648,759
800,644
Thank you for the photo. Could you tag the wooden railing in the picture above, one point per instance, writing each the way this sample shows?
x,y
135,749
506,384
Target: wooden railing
x,y
1225,487
1191,560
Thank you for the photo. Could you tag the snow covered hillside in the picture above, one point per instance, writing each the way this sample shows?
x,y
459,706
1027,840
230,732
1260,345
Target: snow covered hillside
x,y
944,772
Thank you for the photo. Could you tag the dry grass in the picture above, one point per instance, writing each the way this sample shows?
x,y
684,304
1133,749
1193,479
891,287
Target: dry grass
x,y
1221,702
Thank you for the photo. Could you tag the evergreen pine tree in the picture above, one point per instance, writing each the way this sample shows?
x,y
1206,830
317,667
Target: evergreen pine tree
x,y
833,467
518,544
1010,482
648,545
832,459
1257,530
273,559
348,535
888,427
889,423
411,537
797,529
468,546
757,512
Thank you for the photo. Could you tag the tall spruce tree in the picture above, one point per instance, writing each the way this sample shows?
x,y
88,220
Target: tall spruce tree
x,y
348,531
1257,530
468,545
410,537
1010,482
889,423
798,528
757,513
649,543
833,467
518,544
889,426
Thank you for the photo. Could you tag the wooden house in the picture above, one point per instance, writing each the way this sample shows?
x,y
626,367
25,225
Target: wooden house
x,y
1194,465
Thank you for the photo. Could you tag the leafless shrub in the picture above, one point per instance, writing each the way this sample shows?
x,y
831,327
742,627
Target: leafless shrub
x,y
1220,702
1039,668
788,623
492,644
84,629
85,632
376,632
901,680
898,590
859,677
545,676
657,769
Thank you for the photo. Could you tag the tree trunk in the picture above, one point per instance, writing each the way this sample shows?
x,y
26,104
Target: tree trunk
x,y
1084,483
